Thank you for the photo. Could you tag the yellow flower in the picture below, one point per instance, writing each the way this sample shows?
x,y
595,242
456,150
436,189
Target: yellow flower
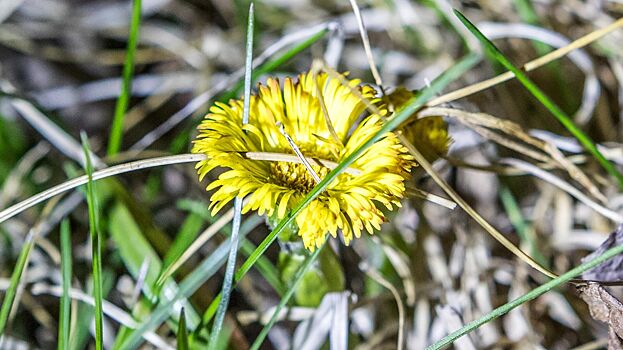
x,y
350,202
429,134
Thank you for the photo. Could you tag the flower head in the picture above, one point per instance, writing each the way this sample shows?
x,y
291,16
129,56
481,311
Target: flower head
x,y
351,202
429,134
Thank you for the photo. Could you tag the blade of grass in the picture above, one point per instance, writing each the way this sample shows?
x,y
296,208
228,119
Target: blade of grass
x,y
540,95
145,164
266,268
536,292
116,132
519,223
191,227
410,108
182,332
65,310
526,12
220,87
95,246
9,296
187,287
98,175
307,264
135,251
81,331
233,249
133,248
275,63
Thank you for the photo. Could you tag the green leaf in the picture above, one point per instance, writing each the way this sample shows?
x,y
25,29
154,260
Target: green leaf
x,y
133,247
182,332
184,238
135,251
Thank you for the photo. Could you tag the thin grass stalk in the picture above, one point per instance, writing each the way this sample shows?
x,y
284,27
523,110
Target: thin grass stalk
x,y
145,164
307,264
182,332
9,296
116,132
546,101
95,247
65,309
235,240
530,66
533,294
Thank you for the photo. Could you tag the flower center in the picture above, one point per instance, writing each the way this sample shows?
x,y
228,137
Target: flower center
x,y
295,175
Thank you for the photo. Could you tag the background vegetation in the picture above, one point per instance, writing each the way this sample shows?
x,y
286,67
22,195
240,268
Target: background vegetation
x,y
135,79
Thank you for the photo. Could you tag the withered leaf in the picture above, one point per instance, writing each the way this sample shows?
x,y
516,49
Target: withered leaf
x,y
605,307
611,270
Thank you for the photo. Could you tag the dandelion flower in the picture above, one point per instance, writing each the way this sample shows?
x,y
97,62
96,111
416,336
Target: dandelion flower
x,y
351,203
429,134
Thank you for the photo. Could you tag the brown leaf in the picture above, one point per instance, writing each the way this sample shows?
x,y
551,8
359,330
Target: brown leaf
x,y
605,307
611,270
614,342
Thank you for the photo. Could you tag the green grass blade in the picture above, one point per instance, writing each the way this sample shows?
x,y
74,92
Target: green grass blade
x,y
410,108
542,289
116,132
187,287
521,226
229,277
183,239
233,249
95,245
133,247
81,331
135,251
546,101
307,264
248,67
275,63
16,276
182,332
65,309
265,267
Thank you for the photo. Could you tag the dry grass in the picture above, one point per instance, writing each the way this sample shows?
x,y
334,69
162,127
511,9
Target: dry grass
x,y
513,171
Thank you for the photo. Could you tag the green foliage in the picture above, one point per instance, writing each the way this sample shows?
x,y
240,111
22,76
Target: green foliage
x,y
96,250
9,296
182,332
323,277
116,133
66,265
12,146
540,95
